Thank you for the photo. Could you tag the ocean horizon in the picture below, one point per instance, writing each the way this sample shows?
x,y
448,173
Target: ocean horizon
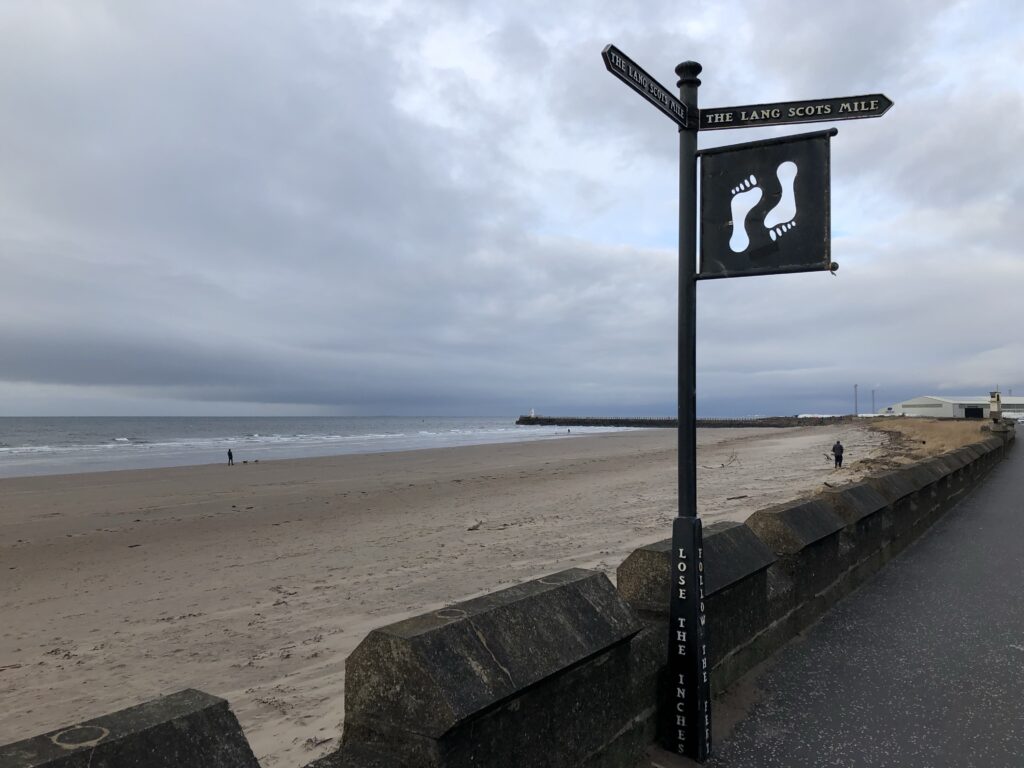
x,y
48,445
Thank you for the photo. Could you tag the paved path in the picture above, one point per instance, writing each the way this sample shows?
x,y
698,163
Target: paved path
x,y
922,667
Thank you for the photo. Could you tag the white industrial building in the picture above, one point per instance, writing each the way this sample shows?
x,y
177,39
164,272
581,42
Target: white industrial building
x,y
967,407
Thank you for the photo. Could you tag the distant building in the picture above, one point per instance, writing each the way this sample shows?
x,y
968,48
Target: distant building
x,y
966,407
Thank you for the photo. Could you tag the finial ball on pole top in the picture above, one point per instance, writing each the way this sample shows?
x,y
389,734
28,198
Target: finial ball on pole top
x,y
688,72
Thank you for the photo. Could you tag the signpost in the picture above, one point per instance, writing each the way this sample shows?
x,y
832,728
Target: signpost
x,y
765,210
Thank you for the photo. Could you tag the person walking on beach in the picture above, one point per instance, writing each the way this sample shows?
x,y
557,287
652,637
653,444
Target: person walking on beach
x,y
837,451
231,458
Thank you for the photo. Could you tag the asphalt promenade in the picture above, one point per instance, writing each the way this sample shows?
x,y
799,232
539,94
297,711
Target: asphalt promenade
x,y
922,667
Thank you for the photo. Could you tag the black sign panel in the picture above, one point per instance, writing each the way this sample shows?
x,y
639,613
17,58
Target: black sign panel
x,y
790,112
629,72
764,207
689,678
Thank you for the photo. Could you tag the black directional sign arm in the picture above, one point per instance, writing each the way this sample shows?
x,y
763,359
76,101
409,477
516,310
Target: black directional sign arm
x,y
633,75
794,112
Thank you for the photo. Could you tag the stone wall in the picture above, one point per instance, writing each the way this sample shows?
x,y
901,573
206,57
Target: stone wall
x,y
766,580
565,671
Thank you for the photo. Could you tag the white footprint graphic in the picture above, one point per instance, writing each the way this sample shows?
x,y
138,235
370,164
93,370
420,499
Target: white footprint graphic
x,y
785,211
744,197
777,232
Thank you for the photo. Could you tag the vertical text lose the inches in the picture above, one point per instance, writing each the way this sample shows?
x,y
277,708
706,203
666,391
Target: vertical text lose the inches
x,y
691,688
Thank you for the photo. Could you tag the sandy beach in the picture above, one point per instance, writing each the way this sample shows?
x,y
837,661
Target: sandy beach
x,y
255,582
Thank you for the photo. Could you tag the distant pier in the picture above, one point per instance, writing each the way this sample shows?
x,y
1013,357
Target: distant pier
x,y
594,421
656,423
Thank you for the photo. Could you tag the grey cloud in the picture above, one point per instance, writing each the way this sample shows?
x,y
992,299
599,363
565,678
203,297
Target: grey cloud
x,y
241,203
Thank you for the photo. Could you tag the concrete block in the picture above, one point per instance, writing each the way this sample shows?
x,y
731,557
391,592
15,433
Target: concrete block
x,y
357,757
188,729
644,578
789,528
901,494
855,502
992,444
573,717
580,718
736,564
892,485
805,537
496,676
952,461
974,450
935,468
917,475
782,592
965,454
970,468
736,614
732,552
932,495
868,521
944,491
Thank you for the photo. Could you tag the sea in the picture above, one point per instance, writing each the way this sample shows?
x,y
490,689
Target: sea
x,y
61,445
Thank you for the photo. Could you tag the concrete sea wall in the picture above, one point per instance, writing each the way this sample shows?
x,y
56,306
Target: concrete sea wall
x,y
567,670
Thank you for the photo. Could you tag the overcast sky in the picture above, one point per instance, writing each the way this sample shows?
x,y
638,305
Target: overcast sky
x,y
415,208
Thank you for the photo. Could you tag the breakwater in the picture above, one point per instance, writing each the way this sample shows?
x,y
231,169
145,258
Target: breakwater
x,y
594,421
663,422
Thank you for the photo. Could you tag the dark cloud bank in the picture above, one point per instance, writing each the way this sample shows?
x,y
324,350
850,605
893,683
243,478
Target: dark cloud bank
x,y
321,207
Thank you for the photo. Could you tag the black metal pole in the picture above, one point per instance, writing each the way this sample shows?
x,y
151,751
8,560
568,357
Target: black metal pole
x,y
686,726
687,405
